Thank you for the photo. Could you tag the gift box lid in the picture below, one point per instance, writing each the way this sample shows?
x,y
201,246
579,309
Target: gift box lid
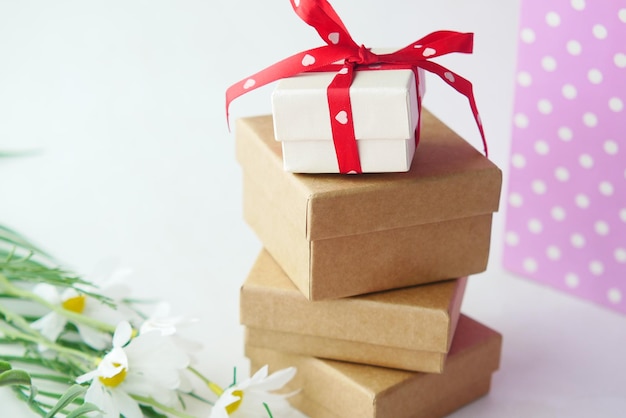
x,y
369,391
350,351
418,318
384,105
449,179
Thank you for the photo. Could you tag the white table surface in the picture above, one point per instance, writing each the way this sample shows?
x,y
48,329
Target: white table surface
x,y
124,100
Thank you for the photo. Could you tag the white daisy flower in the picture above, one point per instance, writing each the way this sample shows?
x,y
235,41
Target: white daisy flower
x,y
252,398
148,366
52,324
161,322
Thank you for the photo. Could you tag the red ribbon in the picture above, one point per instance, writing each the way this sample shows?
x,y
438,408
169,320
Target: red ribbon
x,y
341,47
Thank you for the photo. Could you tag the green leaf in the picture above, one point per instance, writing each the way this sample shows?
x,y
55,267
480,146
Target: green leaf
x,y
33,394
82,410
32,403
149,412
4,366
12,237
68,397
14,377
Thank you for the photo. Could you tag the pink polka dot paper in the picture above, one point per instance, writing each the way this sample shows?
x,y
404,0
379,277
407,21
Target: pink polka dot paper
x,y
566,208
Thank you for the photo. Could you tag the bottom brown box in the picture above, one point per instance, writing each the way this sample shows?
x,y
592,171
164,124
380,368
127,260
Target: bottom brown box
x,y
337,389
466,395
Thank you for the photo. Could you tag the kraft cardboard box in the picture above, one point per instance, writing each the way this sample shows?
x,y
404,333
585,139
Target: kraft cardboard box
x,y
333,389
410,328
350,351
385,118
338,235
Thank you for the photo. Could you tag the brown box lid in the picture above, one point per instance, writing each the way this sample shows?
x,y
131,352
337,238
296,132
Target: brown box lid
x,y
354,390
415,318
350,351
449,179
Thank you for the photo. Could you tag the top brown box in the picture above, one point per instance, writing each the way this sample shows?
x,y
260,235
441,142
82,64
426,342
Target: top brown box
x,y
341,235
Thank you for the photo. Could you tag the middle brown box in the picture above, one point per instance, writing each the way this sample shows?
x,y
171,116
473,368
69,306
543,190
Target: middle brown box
x,y
410,328
341,235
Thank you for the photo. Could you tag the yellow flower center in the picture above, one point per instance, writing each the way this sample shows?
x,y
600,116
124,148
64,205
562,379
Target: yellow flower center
x,y
115,380
235,405
75,304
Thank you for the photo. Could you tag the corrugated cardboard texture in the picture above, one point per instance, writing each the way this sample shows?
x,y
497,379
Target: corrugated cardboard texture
x,y
338,236
353,390
416,318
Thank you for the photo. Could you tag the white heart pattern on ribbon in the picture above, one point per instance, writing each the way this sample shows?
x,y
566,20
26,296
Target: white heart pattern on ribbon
x,y
334,37
297,3
249,83
428,52
449,76
308,60
343,71
342,117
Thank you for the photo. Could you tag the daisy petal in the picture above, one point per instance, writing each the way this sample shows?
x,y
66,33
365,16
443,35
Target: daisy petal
x,y
47,292
93,337
257,378
227,398
185,384
99,396
86,377
50,325
277,380
127,405
122,335
69,293
218,412
113,363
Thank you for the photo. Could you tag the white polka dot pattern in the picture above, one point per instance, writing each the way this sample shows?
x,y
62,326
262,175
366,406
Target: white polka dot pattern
x,y
566,216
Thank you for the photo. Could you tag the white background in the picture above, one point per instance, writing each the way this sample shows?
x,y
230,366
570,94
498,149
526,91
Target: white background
x,y
124,103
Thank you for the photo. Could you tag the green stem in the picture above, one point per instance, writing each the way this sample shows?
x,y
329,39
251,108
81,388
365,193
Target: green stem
x,y
73,316
52,378
215,388
34,406
164,408
199,375
18,321
52,395
267,409
199,398
37,339
69,368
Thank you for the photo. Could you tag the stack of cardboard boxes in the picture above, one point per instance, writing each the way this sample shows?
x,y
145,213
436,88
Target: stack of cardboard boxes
x,y
361,278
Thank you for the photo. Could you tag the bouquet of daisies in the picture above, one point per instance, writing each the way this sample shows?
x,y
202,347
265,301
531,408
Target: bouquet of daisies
x,y
70,347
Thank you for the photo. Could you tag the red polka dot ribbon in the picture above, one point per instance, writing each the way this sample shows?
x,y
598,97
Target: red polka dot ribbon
x,y
340,47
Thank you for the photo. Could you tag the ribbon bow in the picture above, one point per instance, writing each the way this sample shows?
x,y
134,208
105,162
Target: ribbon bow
x,y
340,47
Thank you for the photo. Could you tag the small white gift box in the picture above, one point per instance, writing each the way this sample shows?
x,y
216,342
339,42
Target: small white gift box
x,y
385,112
